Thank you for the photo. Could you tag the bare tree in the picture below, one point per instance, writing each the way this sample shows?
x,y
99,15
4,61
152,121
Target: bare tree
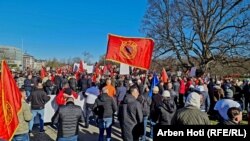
x,y
87,57
199,32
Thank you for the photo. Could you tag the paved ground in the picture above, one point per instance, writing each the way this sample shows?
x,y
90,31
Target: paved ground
x,y
90,134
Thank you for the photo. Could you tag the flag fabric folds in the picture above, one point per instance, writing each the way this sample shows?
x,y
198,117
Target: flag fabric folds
x,y
164,76
135,52
154,83
10,103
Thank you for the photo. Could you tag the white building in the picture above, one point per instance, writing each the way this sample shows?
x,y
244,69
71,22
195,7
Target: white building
x,y
28,61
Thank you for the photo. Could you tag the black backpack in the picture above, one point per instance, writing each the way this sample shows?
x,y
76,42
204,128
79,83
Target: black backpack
x,y
145,102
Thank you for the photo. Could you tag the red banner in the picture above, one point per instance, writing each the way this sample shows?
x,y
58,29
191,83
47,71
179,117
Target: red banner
x,y
10,103
135,52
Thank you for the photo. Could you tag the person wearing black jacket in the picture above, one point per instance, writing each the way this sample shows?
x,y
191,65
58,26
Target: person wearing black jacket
x,y
104,107
145,101
167,109
156,102
28,85
38,99
68,118
130,116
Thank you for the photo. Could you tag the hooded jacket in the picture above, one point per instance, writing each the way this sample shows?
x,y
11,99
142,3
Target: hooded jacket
x,y
104,106
191,114
131,118
167,111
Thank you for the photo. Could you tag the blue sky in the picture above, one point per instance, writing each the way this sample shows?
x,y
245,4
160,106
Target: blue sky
x,y
64,28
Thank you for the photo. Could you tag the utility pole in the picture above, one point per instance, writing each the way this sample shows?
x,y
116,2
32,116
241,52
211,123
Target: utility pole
x,y
22,56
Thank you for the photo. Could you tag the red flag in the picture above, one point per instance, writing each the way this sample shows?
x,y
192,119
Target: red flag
x,y
135,52
104,70
10,103
81,66
43,72
164,76
77,75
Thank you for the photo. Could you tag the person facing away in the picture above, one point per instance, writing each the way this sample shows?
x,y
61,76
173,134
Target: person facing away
x,y
167,109
145,100
68,118
121,92
110,88
191,114
91,95
24,116
104,107
224,104
234,116
38,99
130,116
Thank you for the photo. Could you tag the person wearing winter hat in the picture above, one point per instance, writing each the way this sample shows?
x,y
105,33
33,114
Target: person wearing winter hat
x,y
167,109
224,104
156,102
205,99
191,113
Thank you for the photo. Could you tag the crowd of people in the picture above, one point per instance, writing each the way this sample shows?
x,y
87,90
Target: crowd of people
x,y
127,100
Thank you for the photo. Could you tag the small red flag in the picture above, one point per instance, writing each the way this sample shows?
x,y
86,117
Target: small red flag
x,y
135,52
43,72
164,76
81,66
10,103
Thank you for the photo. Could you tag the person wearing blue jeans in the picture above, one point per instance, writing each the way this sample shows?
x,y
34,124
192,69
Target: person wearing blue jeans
x,y
104,107
145,122
105,123
152,124
21,137
40,113
73,138
38,99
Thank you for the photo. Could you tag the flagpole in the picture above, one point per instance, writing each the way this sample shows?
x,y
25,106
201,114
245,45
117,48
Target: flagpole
x,y
145,81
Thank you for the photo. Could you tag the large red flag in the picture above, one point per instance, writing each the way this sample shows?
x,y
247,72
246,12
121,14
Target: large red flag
x,y
81,66
135,52
164,76
10,103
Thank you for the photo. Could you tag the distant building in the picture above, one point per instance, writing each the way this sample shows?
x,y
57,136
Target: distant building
x,y
38,64
28,61
13,56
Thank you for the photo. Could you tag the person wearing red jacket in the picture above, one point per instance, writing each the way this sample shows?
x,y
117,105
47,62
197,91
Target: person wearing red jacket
x,y
181,92
64,94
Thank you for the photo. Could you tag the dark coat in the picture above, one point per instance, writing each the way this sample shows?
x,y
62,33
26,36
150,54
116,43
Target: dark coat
x,y
145,101
104,106
38,99
27,85
131,118
68,118
167,111
156,102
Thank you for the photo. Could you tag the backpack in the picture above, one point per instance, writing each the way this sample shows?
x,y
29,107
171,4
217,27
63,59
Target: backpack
x,y
145,105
